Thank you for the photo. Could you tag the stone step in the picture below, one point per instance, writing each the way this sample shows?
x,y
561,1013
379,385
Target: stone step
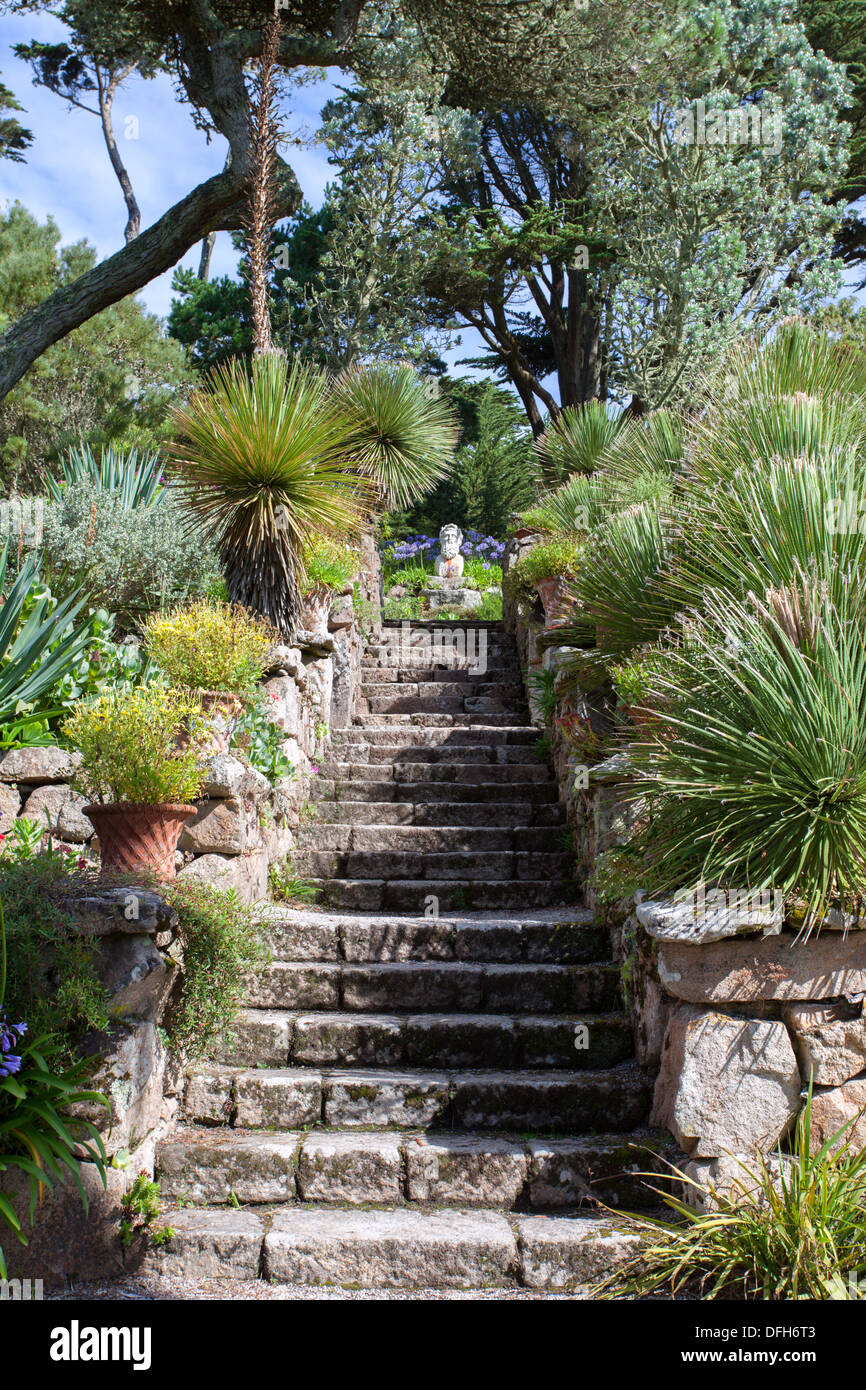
x,y
546,1102
278,1038
432,718
486,712
418,736
442,895
446,791
422,839
438,690
434,987
439,813
375,671
360,1167
500,866
570,937
400,1248
472,773
478,755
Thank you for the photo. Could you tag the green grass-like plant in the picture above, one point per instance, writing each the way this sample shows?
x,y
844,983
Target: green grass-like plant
x,y
793,1232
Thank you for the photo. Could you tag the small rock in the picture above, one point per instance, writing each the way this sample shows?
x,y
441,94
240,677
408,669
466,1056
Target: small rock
x,y
227,777
247,874
218,827
707,920
843,1105
726,1084
62,809
38,765
830,1040
10,805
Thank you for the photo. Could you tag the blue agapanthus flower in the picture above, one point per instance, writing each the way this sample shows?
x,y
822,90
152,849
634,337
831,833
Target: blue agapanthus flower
x,y
10,1036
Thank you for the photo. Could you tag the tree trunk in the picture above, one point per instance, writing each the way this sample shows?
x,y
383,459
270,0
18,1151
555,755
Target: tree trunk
x,y
264,138
106,101
217,204
207,246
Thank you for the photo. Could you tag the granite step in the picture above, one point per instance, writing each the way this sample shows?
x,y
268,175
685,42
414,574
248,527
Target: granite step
x,y
473,774
363,1168
392,1248
418,736
438,690
438,813
386,672
495,866
552,1102
279,1038
445,791
426,840
434,987
426,896
559,937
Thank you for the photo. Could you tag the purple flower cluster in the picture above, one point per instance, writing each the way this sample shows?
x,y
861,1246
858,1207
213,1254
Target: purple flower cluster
x,y
10,1035
418,548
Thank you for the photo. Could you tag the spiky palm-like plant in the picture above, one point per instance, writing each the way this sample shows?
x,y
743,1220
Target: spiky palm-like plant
x,y
759,774
400,438
577,442
760,527
260,463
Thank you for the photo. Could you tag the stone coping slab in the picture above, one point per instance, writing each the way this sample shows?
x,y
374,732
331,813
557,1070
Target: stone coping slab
x,y
774,967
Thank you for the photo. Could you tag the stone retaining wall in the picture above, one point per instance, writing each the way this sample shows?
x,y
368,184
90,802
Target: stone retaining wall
x,y
244,824
733,1013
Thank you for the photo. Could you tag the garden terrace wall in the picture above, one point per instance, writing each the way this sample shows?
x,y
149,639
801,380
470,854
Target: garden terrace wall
x,y
244,822
732,1011
137,962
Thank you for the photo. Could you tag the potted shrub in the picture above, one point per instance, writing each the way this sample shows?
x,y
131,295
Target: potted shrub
x,y
547,568
143,768
219,651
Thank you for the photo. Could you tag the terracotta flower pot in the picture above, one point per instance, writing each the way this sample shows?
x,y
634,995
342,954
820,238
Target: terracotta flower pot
x,y
317,608
133,836
552,593
221,709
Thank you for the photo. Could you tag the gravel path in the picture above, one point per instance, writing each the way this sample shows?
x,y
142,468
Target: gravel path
x,y
150,1288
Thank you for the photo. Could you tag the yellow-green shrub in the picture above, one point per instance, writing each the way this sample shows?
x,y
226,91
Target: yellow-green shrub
x,y
137,747
209,646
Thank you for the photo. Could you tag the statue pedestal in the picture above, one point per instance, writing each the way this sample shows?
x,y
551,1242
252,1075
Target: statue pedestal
x,y
450,593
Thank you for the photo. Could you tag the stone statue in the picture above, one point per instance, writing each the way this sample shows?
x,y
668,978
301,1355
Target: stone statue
x,y
449,561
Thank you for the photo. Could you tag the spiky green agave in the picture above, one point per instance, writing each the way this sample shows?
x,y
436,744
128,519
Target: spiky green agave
x,y
135,478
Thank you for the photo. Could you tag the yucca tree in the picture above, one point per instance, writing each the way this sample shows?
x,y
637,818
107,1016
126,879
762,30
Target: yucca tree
x,y
399,437
260,462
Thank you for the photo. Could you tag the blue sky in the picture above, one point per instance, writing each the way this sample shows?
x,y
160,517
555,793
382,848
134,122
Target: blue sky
x,y
68,175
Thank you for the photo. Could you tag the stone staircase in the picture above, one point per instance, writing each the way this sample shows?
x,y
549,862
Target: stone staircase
x,y
432,1080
